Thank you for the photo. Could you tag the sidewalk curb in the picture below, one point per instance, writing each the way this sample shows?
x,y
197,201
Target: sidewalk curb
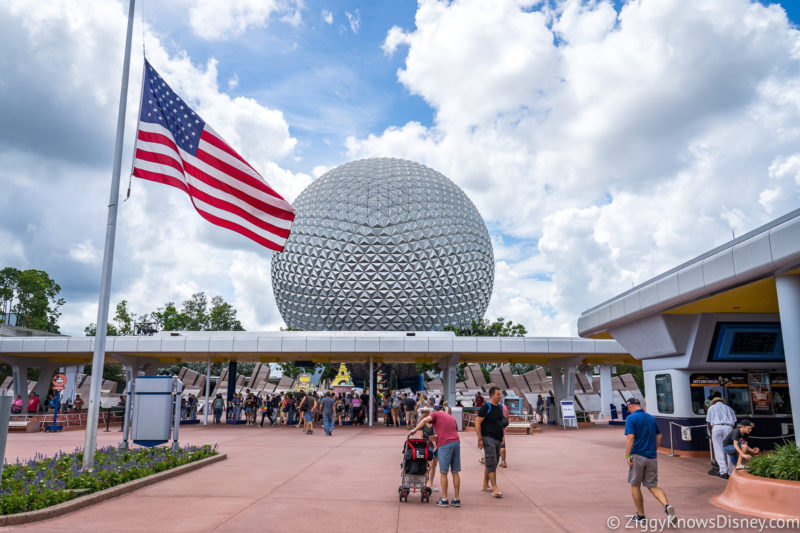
x,y
106,494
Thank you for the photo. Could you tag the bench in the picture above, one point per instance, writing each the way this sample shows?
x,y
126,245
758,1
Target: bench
x,y
27,426
513,426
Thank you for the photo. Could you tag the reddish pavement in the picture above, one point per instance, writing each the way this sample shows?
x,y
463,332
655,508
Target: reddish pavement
x,y
278,479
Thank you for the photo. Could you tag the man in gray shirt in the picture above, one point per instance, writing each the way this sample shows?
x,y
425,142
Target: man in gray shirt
x,y
327,413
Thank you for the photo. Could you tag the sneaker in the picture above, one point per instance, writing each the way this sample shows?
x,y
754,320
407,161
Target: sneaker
x,y
638,518
442,503
671,518
724,476
456,503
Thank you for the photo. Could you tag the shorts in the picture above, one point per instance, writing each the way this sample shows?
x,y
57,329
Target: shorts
x,y
643,472
491,453
410,417
450,457
308,416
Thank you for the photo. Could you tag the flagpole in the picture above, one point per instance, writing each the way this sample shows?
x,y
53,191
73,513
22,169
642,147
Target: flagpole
x,y
108,260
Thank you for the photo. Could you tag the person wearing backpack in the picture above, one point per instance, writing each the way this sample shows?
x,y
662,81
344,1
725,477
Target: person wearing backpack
x,y
219,404
308,406
490,428
395,409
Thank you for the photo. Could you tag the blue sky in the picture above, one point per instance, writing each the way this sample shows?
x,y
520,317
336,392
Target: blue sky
x,y
603,142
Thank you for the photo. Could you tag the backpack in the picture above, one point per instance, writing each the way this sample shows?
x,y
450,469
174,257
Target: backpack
x,y
505,420
395,403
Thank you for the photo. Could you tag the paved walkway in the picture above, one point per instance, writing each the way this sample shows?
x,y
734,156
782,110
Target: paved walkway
x,y
278,479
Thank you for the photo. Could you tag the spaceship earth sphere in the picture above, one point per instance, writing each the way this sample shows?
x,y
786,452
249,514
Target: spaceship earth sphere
x,y
383,244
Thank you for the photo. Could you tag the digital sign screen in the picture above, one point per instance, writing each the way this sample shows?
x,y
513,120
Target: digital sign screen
x,y
740,341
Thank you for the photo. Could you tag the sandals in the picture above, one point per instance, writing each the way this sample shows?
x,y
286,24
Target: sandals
x,y
497,495
487,489
504,465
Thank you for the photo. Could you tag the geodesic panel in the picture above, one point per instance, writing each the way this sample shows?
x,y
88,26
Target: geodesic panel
x,y
383,244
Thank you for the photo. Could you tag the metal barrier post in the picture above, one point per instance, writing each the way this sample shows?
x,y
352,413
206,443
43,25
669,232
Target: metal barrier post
x,y
671,443
177,426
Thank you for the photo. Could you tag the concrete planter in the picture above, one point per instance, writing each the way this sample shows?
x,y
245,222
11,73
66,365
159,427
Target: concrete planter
x,y
760,496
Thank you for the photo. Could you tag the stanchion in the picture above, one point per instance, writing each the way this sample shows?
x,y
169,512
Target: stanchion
x,y
108,420
671,443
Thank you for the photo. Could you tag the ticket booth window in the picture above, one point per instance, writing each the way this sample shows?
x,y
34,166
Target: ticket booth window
x,y
664,394
780,394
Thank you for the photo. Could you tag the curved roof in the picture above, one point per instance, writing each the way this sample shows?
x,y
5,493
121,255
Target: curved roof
x,y
747,265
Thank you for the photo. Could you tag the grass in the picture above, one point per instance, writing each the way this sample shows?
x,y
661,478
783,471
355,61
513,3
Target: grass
x,y
44,481
781,463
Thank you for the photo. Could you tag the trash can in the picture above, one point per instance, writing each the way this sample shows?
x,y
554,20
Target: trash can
x,y
152,410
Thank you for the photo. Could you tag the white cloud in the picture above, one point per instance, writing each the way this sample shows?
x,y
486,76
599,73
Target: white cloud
x,y
327,16
61,73
215,20
85,252
233,82
624,143
354,19
394,39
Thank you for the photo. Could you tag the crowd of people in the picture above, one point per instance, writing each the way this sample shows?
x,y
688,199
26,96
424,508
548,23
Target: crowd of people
x,y
302,409
37,406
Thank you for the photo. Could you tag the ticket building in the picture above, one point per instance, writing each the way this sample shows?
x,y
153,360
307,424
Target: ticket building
x,y
727,321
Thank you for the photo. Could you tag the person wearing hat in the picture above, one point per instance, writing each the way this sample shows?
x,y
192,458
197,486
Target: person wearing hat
x,y
642,439
721,419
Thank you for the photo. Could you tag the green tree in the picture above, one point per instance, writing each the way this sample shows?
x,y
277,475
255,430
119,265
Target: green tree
x,y
123,323
8,289
168,318
222,316
195,312
32,297
91,330
486,328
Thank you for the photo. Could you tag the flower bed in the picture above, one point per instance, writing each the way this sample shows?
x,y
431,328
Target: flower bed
x,y
45,481
782,463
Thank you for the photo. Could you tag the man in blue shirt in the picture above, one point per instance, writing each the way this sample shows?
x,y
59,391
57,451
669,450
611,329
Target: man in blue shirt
x,y
642,439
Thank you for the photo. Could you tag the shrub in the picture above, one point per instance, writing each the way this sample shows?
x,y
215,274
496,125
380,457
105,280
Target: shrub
x,y
782,463
45,481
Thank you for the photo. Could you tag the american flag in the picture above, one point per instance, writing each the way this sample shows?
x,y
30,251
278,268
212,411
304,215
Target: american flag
x,y
174,146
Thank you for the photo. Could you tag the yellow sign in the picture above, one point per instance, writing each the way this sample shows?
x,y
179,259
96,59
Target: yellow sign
x,y
342,379
303,382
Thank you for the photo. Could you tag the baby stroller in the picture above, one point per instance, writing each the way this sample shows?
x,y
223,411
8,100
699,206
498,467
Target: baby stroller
x,y
414,469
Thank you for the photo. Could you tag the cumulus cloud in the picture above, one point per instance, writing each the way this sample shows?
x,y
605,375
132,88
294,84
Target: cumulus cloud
x,y
622,142
58,108
214,20
327,16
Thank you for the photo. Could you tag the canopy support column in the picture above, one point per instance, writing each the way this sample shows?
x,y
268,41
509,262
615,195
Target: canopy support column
x,y
788,288
449,375
208,391
371,398
606,391
20,374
